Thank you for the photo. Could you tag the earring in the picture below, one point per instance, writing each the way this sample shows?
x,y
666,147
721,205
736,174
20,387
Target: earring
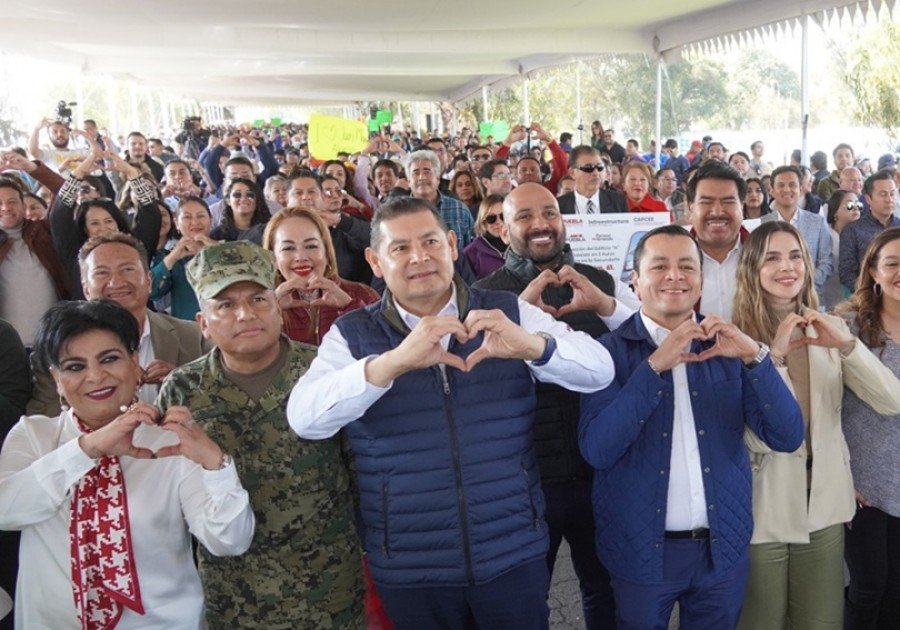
x,y
63,403
877,290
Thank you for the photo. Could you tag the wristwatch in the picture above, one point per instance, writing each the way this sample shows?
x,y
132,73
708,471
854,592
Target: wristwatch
x,y
549,349
760,356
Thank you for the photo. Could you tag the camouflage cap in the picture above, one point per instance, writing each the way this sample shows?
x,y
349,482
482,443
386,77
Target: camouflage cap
x,y
219,266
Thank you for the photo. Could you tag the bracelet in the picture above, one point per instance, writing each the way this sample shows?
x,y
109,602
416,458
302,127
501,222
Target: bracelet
x,y
653,367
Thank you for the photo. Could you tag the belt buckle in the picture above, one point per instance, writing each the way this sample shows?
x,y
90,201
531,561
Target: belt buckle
x,y
701,533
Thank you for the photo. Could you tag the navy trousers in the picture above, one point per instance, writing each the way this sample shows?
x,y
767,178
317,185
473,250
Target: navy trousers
x,y
707,600
517,599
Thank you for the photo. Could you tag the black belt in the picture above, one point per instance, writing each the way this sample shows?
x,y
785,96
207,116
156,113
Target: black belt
x,y
701,533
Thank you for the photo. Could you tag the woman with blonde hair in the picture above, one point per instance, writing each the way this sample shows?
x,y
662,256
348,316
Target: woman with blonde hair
x,y
486,253
309,291
637,177
873,537
801,500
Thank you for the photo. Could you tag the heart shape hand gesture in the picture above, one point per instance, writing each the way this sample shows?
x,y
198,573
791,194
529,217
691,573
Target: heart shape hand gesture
x,y
117,437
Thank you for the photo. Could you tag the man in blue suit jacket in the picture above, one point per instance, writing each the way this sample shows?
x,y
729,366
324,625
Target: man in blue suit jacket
x,y
672,496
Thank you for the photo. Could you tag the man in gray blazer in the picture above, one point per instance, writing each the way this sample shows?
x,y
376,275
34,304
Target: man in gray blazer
x,y
785,199
114,266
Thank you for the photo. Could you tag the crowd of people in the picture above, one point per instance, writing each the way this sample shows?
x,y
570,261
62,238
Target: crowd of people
x,y
246,387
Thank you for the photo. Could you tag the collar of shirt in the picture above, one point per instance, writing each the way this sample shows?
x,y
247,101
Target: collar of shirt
x,y
581,201
794,219
734,251
450,308
658,332
145,332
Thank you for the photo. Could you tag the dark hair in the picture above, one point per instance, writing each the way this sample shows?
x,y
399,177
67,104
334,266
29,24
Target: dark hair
x,y
842,145
834,204
581,149
781,170
178,161
192,199
348,186
764,207
303,173
65,320
9,182
665,230
565,136
261,212
819,160
883,174
402,206
741,153
385,163
31,195
104,204
112,237
714,169
238,159
137,134
487,169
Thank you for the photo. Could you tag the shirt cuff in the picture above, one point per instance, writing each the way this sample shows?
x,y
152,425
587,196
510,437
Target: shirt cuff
x,y
619,315
220,483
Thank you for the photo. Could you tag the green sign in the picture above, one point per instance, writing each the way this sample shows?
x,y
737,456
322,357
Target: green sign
x,y
275,121
259,122
374,126
497,128
384,117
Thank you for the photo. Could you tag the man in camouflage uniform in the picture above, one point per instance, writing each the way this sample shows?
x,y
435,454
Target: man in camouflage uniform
x,y
303,569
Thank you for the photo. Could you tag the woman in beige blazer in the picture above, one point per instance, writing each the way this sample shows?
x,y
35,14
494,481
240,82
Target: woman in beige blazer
x,y
801,499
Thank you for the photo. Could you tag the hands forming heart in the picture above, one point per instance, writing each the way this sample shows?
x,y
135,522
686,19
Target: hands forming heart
x,y
289,293
585,294
117,437
730,342
827,334
422,347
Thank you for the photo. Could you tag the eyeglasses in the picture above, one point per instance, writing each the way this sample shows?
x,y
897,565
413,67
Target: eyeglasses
x,y
854,205
332,193
500,176
590,168
491,219
241,195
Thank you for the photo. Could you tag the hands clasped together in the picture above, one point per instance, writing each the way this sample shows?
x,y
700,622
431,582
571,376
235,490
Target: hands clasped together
x,y
117,437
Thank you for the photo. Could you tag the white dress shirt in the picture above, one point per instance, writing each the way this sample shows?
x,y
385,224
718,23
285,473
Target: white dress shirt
x,y
719,280
40,465
686,498
627,304
581,202
147,393
334,391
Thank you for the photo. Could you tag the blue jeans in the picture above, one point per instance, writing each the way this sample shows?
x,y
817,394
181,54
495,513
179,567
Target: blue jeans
x,y
570,515
517,599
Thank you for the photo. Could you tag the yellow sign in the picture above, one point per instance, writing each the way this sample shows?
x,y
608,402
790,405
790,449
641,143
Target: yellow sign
x,y
329,135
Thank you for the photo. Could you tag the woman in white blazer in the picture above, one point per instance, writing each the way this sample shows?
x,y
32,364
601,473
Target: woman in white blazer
x,y
801,500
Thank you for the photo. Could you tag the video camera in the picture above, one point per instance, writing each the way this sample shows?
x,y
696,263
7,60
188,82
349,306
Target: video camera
x,y
64,112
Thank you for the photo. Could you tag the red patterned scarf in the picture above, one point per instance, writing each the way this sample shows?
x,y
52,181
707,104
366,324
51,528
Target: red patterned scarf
x,y
104,575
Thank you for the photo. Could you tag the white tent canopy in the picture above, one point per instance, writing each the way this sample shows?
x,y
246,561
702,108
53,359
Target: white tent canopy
x,y
343,51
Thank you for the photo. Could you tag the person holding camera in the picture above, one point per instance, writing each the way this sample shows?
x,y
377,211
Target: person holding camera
x,y
59,156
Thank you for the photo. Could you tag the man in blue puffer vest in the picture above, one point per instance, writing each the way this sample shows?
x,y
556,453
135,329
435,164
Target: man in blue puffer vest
x,y
672,476
434,386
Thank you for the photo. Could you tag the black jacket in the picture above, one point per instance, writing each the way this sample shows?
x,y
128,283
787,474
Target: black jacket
x,y
558,410
610,201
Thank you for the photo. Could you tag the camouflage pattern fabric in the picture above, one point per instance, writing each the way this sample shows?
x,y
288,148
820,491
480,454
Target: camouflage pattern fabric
x,y
217,267
303,569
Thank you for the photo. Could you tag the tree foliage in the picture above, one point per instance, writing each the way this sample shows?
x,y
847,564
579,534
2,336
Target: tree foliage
x,y
869,68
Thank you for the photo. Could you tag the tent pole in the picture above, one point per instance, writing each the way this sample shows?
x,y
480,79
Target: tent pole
x,y
804,89
484,104
526,115
659,71
578,122
417,119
